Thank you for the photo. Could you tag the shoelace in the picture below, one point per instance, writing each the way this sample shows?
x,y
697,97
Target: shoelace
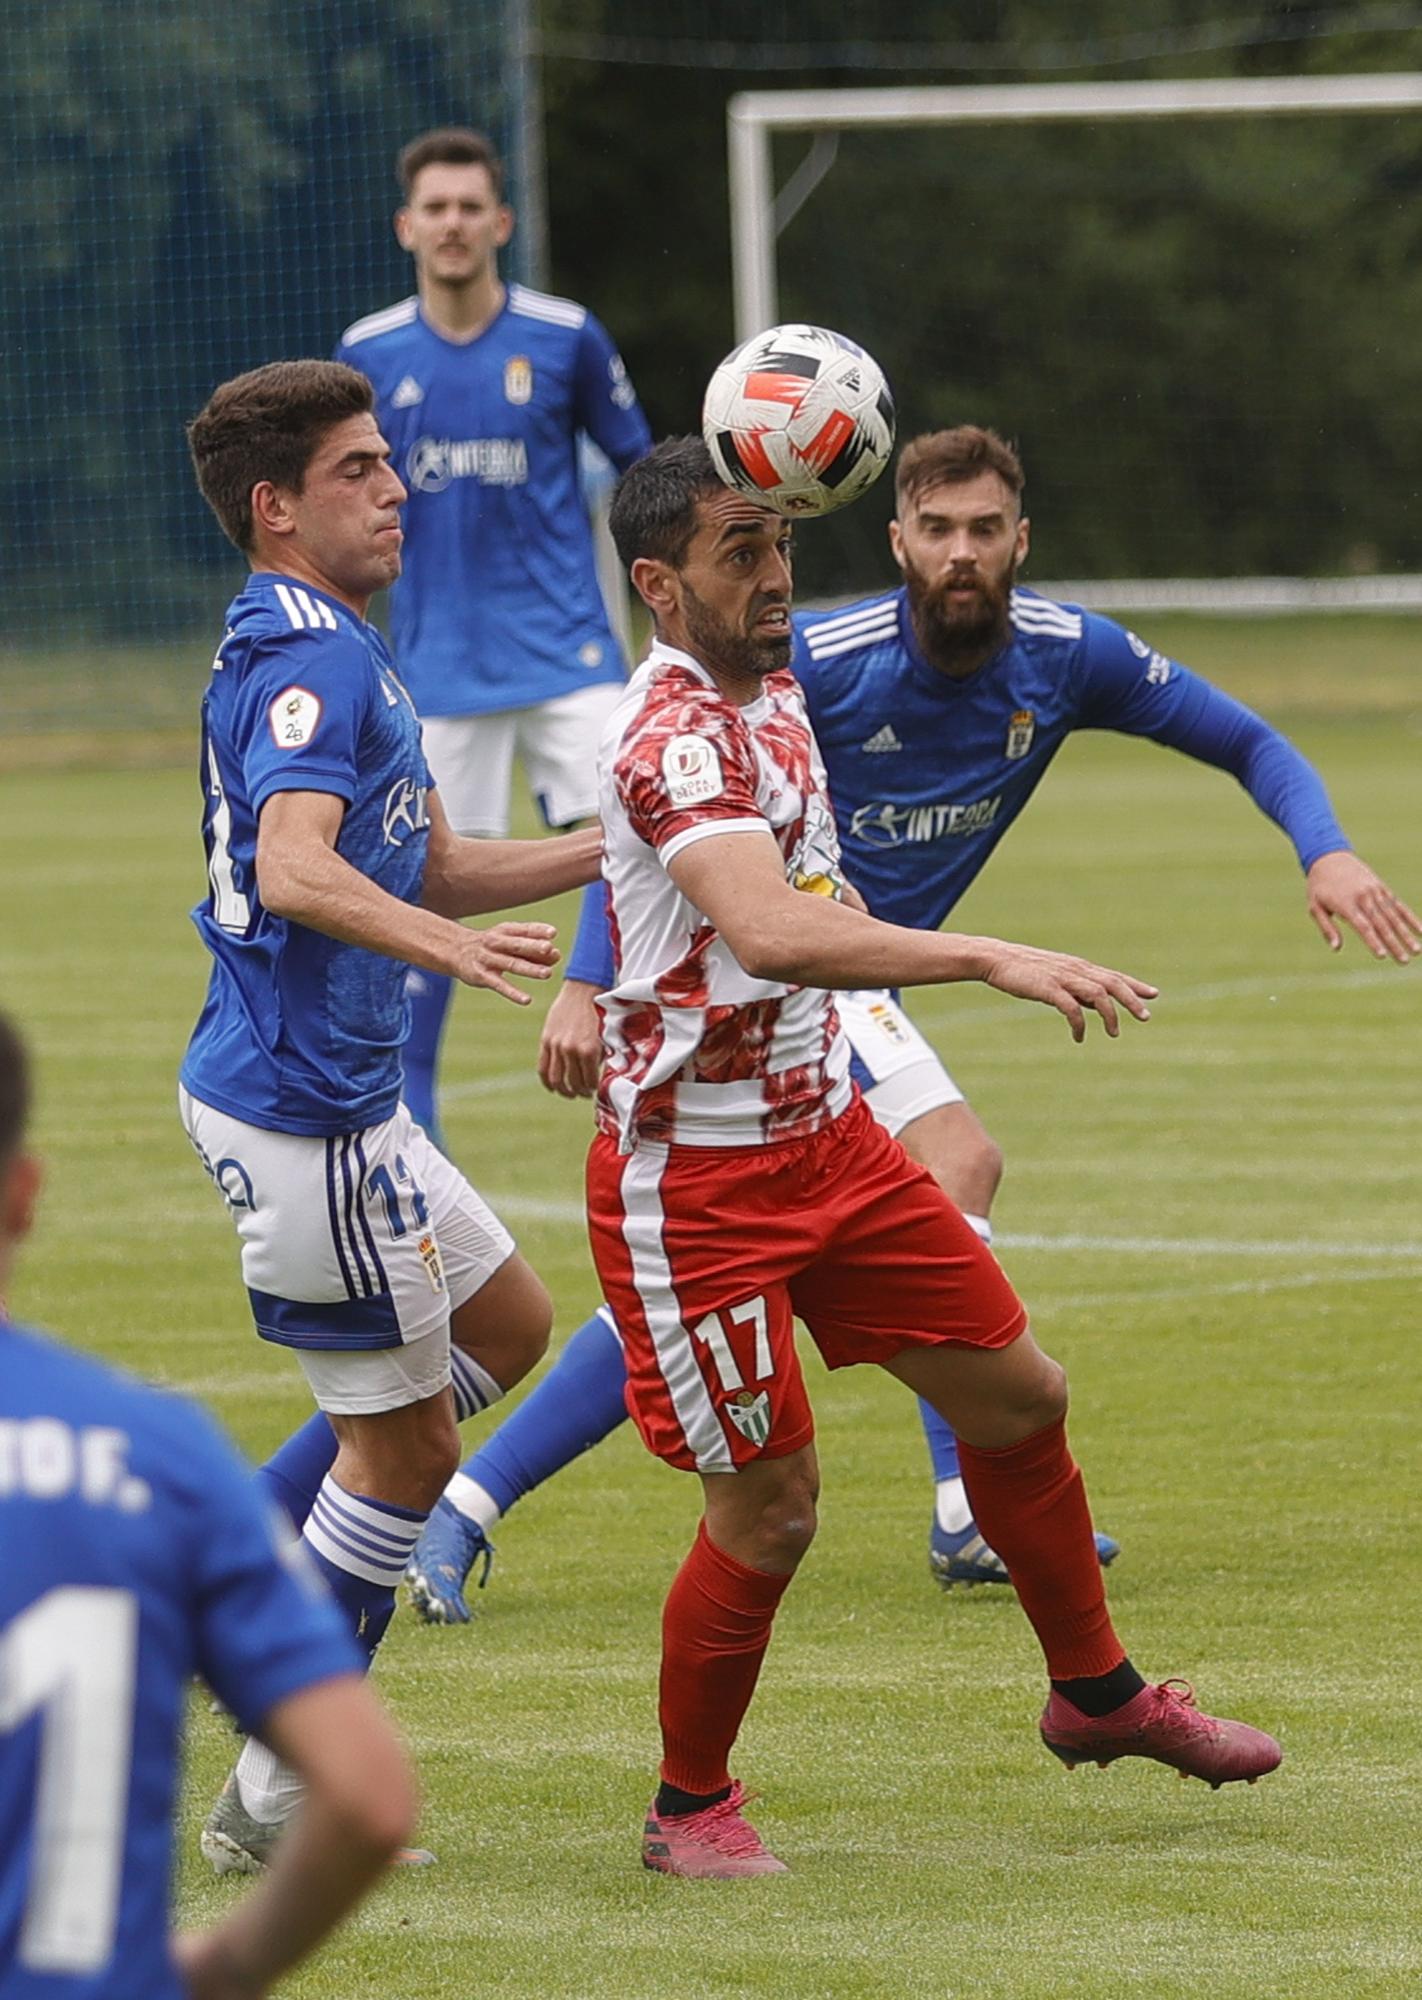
x,y
724,1829
1181,1711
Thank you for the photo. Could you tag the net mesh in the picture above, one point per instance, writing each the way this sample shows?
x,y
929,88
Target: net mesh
x,y
194,191
1198,333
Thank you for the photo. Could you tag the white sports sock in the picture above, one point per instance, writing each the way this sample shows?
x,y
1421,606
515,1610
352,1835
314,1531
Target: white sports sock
x,y
469,1498
951,1505
474,1387
979,1225
269,1790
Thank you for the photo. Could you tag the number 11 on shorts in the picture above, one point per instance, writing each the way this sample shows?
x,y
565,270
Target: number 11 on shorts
x,y
711,1331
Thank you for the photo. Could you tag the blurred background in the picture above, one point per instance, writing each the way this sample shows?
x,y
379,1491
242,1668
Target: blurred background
x,y
1202,335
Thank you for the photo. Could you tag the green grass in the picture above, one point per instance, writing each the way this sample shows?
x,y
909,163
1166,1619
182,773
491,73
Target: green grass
x,y
1247,1418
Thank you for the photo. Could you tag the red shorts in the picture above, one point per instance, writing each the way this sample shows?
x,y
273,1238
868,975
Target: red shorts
x,y
707,1254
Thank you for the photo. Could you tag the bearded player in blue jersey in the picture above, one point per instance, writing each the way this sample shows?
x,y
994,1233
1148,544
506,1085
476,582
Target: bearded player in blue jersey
x,y
332,868
498,620
137,1554
938,708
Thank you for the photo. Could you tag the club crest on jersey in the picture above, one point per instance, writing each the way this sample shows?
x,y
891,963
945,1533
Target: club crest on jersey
x,y
1020,731
407,394
518,379
751,1415
692,771
293,717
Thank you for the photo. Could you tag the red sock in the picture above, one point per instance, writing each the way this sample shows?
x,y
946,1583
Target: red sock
x,y
1030,1505
715,1629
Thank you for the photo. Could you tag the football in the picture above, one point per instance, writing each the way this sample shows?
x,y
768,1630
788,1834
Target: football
x,y
800,418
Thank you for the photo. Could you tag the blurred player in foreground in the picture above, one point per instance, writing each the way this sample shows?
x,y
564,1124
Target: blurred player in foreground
x,y
138,1554
938,708
332,868
498,619
738,1180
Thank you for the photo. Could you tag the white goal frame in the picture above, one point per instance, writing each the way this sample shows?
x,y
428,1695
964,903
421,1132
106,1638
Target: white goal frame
x,y
758,215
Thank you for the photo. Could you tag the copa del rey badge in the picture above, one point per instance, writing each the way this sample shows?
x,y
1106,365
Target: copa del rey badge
x,y
1020,731
691,771
751,1415
518,379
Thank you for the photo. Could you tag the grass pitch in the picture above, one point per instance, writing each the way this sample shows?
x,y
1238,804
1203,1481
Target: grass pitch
x,y
1216,1224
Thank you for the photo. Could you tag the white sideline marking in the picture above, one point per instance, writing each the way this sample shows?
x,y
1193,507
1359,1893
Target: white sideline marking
x,y
535,1208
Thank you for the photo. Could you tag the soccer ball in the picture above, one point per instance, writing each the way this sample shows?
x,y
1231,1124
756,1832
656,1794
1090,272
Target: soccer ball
x,y
800,418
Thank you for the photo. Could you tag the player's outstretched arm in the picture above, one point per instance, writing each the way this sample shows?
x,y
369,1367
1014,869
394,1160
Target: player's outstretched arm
x,y
360,1806
1342,888
737,880
471,878
300,876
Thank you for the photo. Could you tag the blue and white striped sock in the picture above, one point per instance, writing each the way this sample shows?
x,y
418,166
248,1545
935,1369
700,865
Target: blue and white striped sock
x,y
474,1387
361,1547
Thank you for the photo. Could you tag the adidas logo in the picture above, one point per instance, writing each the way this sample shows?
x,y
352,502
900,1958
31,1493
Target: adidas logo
x,y
408,392
883,739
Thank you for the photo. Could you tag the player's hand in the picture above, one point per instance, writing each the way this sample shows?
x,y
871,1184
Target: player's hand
x,y
489,958
1074,986
206,1970
1342,886
570,1048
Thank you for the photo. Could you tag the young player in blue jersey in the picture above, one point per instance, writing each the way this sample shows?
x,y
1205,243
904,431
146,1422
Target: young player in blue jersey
x,y
332,868
938,708
138,1554
498,620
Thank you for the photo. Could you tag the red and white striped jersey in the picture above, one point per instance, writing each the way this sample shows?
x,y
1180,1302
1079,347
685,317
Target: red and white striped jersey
x,y
697,1052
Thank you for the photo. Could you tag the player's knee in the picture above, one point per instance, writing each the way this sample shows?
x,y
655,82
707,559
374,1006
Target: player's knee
x,y
988,1164
1050,1393
787,1527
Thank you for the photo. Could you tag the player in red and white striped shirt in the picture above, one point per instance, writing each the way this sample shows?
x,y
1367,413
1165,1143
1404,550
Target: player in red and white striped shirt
x,y
737,1180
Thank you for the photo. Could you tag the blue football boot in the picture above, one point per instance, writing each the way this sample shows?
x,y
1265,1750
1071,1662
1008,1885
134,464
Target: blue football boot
x,y
965,1557
446,1552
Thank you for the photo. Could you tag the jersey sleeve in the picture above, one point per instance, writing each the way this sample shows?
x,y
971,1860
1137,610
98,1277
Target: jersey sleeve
x,y
265,1627
304,700
604,402
591,959
686,775
1128,686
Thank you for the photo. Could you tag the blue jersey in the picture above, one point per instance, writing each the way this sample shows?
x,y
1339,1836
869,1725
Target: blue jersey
x,y
137,1554
498,605
301,1033
927,773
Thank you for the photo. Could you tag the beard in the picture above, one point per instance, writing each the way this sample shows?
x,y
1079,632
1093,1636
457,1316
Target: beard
x,y
959,636
735,652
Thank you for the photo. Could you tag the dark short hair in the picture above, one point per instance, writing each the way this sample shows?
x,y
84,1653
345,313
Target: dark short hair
x,y
268,424
14,1090
948,458
448,146
653,510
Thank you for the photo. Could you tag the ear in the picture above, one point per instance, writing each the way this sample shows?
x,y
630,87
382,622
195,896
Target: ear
x,y
19,1194
655,583
403,229
1024,539
271,509
896,542
503,225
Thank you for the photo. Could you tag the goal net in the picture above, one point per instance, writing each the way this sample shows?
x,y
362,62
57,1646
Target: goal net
x,y
1192,305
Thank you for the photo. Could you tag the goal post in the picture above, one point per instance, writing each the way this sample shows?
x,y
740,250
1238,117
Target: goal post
x,y
758,215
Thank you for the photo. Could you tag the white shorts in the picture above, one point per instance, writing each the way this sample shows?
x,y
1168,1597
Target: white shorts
x,y
893,1065
355,1250
471,759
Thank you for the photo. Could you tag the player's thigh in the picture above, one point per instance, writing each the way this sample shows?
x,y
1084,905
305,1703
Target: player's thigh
x,y
341,1253
471,761
557,741
901,1267
695,1248
992,1396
